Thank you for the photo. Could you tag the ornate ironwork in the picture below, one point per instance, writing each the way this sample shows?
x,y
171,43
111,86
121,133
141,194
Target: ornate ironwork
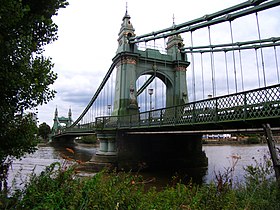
x,y
262,103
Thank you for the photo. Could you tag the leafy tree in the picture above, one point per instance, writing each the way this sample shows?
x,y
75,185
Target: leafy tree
x,y
25,74
44,131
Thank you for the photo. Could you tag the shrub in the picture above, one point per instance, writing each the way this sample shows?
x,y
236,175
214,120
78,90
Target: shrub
x,y
59,188
88,139
253,140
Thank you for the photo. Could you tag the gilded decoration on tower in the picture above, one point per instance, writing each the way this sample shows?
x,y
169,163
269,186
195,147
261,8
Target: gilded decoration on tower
x,y
180,68
128,60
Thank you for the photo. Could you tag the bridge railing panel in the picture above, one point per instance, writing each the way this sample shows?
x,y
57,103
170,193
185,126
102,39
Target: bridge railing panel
x,y
168,116
185,114
260,103
155,117
110,122
263,103
143,119
205,111
230,108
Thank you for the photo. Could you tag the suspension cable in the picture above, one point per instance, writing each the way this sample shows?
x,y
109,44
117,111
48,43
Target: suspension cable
x,y
107,98
193,76
112,99
211,19
94,107
95,96
155,78
137,88
276,63
164,83
90,114
262,58
258,68
100,103
241,70
146,105
233,57
212,65
232,48
202,75
226,71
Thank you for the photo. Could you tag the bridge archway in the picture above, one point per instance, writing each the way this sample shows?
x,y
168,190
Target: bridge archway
x,y
158,86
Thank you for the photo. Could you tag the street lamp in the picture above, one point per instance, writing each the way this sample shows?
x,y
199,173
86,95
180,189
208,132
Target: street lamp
x,y
109,108
150,91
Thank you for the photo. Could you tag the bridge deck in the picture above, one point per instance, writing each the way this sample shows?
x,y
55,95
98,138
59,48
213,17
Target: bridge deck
x,y
244,112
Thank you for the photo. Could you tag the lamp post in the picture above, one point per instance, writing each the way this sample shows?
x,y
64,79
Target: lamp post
x,y
150,91
109,109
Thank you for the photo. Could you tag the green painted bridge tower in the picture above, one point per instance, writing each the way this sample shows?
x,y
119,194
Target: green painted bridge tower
x,y
132,63
127,151
61,122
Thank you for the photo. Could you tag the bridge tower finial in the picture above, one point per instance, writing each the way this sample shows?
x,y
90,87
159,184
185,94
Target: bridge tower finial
x,y
55,121
125,33
70,112
69,116
174,43
55,112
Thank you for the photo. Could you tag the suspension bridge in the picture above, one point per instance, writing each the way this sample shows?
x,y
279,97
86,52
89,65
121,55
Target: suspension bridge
x,y
164,89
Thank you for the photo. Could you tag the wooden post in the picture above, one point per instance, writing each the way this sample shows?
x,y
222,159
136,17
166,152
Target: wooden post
x,y
273,151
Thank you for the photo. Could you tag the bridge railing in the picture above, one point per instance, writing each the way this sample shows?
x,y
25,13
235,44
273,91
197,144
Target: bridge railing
x,y
262,103
79,128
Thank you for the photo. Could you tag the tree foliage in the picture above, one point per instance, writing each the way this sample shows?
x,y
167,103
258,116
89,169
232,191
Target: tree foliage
x,y
26,26
44,131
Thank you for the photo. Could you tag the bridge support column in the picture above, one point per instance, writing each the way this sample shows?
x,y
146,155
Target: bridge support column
x,y
103,145
112,145
106,153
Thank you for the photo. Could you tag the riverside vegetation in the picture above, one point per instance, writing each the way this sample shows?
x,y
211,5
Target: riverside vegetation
x,y
91,139
59,187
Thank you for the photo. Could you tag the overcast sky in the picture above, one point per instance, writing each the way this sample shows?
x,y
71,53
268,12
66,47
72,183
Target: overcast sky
x,y
88,32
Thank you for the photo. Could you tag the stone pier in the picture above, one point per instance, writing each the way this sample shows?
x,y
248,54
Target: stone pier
x,y
107,152
153,151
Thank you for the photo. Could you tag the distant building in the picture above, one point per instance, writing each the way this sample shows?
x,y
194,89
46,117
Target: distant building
x,y
216,136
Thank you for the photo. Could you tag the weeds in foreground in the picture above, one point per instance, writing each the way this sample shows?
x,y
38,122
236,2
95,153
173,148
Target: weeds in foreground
x,y
224,180
62,190
58,187
261,171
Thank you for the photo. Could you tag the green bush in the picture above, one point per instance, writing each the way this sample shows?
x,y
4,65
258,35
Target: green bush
x,y
88,139
253,140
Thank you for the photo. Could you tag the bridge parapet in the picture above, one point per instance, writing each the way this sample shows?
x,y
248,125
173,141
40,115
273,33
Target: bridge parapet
x,y
249,109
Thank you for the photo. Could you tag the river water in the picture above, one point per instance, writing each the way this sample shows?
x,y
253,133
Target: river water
x,y
220,158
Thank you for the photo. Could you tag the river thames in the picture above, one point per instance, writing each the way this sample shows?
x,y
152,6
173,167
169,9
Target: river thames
x,y
220,158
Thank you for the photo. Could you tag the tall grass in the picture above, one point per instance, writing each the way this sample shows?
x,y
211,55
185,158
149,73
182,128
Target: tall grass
x,y
59,187
62,189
